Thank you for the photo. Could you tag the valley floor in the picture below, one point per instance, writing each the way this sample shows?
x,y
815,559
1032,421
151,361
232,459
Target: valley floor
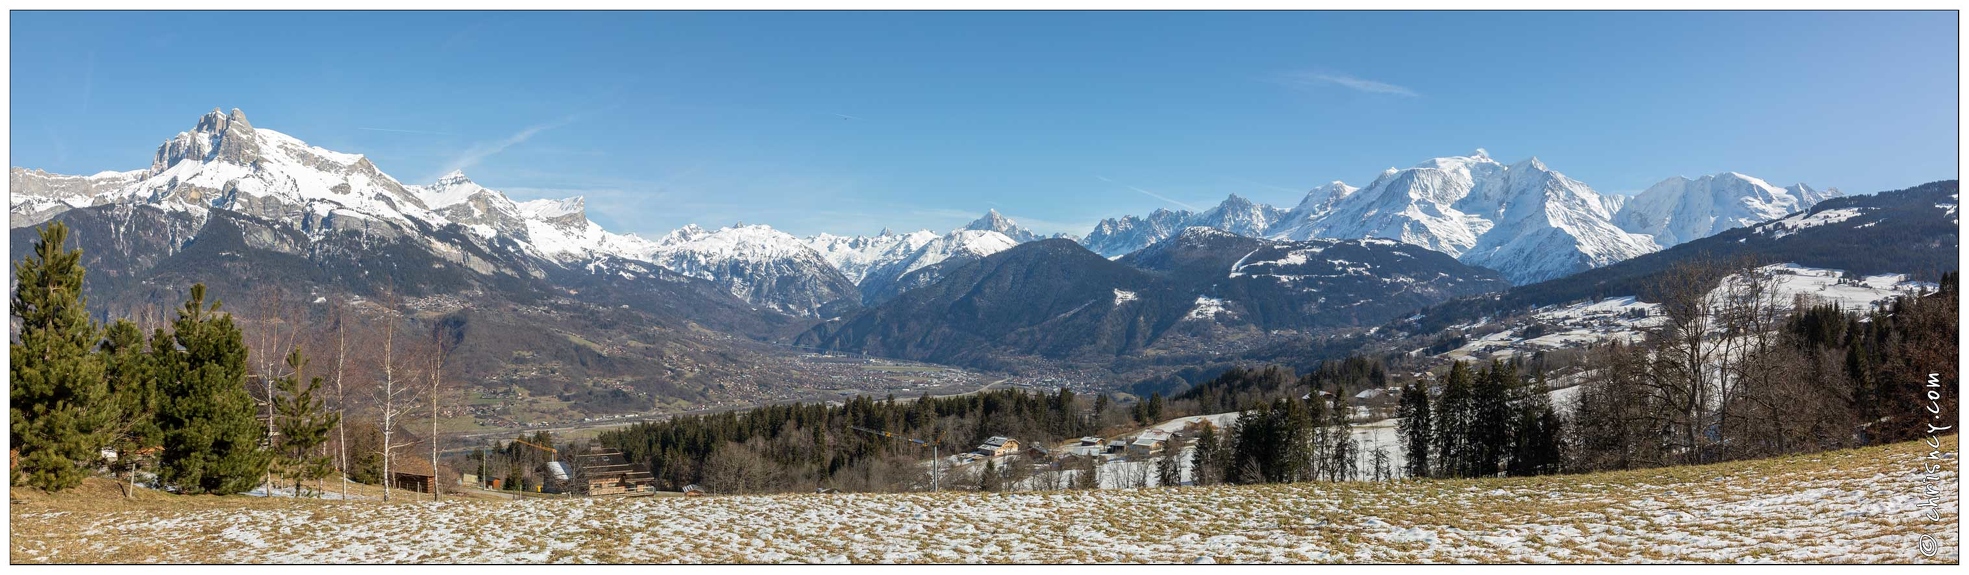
x,y
1854,506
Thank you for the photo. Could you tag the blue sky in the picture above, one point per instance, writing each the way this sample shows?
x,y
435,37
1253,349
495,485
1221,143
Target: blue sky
x,y
854,121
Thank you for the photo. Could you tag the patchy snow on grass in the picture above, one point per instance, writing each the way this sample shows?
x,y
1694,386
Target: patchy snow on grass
x,y
1857,506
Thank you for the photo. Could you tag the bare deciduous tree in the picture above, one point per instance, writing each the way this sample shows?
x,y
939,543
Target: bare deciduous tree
x,y
439,349
274,333
395,393
341,317
1684,373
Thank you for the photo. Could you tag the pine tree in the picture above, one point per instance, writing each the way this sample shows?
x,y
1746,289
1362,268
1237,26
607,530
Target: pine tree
x,y
1542,451
1090,477
1452,425
1492,420
304,423
1414,429
1204,465
1343,451
60,402
988,481
213,442
132,382
1165,470
1535,441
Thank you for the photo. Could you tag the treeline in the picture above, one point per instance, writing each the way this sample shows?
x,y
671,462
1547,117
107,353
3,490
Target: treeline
x,y
1239,389
177,395
804,446
191,405
1736,375
1299,428
1480,423
1287,440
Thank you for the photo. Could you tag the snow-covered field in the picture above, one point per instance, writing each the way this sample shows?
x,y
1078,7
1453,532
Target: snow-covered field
x,y
1848,506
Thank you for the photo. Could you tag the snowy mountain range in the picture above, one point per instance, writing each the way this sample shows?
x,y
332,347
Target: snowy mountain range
x,y
887,264
1679,209
1526,220
1114,237
226,163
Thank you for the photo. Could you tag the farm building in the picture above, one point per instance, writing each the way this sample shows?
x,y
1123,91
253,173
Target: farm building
x,y
1084,451
998,445
608,472
1149,442
1090,440
412,474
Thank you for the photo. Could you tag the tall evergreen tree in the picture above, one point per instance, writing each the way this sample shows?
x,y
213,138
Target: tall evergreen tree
x,y
212,441
1205,469
1452,426
133,386
304,422
988,480
1414,429
1536,451
1166,474
1492,422
60,403
1342,451
1089,476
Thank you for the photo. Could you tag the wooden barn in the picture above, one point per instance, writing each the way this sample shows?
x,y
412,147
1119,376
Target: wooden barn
x,y
412,474
607,472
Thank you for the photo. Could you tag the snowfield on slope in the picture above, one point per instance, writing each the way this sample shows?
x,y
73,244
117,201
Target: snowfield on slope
x,y
1625,317
1861,506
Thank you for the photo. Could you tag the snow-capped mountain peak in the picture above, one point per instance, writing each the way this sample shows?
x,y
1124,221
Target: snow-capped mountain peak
x,y
1296,224
1680,209
993,221
451,189
556,209
758,264
226,162
1115,237
1524,219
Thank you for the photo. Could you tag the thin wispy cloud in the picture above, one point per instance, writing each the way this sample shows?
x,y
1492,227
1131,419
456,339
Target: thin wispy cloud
x,y
1318,79
1148,193
482,150
407,131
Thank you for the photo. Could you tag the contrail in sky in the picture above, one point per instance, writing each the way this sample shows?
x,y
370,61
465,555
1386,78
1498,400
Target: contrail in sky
x,y
407,131
1148,193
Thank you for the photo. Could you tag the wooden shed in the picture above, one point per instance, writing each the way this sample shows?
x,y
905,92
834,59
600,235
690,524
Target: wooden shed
x,y
412,474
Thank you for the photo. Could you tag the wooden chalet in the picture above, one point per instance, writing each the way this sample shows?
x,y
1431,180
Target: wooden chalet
x,y
998,445
608,472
